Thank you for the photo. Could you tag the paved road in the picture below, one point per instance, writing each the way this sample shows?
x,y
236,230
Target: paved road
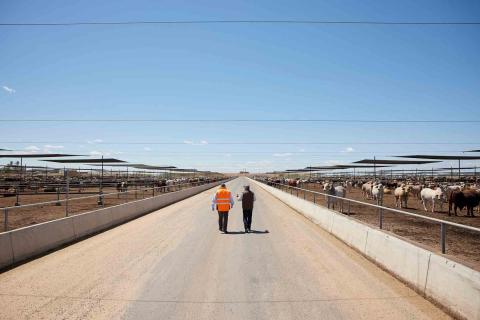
x,y
174,264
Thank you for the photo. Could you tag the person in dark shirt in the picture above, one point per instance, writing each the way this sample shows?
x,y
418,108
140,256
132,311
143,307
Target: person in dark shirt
x,y
247,198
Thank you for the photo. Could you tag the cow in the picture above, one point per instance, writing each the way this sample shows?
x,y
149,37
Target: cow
x,y
401,196
460,199
432,195
377,193
367,190
338,191
415,190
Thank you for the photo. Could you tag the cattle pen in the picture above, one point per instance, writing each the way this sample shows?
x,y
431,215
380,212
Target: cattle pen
x,y
461,242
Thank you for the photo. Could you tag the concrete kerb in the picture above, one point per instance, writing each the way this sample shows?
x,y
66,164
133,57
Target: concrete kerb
x,y
6,256
34,240
92,222
454,286
407,261
451,285
28,242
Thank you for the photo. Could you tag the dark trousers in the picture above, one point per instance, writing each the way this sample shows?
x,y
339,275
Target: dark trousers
x,y
222,221
247,218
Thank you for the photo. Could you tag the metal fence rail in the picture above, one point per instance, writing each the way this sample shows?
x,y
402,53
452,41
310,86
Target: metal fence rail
x,y
380,209
101,196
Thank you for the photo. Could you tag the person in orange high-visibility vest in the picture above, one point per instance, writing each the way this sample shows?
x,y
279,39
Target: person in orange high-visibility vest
x,y
223,202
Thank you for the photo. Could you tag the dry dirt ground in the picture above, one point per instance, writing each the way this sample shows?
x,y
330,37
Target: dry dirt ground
x,y
175,264
461,245
21,217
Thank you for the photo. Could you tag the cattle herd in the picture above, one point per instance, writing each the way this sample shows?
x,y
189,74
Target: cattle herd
x,y
431,194
12,185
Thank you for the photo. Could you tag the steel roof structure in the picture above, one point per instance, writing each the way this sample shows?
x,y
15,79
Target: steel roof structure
x,y
86,161
183,170
439,157
37,155
146,166
382,161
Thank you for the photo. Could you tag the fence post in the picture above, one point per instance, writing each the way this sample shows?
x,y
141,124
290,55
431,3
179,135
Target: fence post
x,y
5,219
314,199
58,203
380,218
67,193
349,202
443,234
17,196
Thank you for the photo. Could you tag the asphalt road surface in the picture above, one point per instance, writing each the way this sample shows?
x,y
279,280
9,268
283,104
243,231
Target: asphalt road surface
x,y
175,264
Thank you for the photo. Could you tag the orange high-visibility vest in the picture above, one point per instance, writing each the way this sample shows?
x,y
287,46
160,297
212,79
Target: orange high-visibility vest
x,y
223,200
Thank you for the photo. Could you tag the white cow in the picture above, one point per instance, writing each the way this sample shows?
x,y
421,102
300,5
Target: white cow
x,y
377,193
432,195
401,196
367,190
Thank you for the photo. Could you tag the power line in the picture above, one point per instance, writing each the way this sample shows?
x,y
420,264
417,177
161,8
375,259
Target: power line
x,y
243,120
236,143
197,22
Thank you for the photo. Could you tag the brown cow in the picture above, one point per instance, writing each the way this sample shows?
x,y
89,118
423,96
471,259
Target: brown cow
x,y
460,199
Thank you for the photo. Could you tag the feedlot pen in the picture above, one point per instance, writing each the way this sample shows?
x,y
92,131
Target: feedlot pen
x,y
461,245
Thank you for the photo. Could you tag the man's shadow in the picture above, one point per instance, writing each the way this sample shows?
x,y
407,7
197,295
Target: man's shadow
x,y
251,231
259,232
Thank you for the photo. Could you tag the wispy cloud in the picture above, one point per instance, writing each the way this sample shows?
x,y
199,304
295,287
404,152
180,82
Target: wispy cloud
x,y
333,162
8,89
97,153
286,154
32,148
49,146
95,141
193,143
348,150
147,148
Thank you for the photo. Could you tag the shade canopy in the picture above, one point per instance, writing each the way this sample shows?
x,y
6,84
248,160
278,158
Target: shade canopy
x,y
183,170
37,155
344,166
86,161
137,166
380,161
411,171
351,166
440,157
299,170
146,166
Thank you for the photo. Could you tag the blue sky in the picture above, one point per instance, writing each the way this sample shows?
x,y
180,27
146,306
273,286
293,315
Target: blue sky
x,y
239,71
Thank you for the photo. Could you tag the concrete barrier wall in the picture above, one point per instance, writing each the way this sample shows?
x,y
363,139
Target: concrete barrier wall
x,y
25,243
448,283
